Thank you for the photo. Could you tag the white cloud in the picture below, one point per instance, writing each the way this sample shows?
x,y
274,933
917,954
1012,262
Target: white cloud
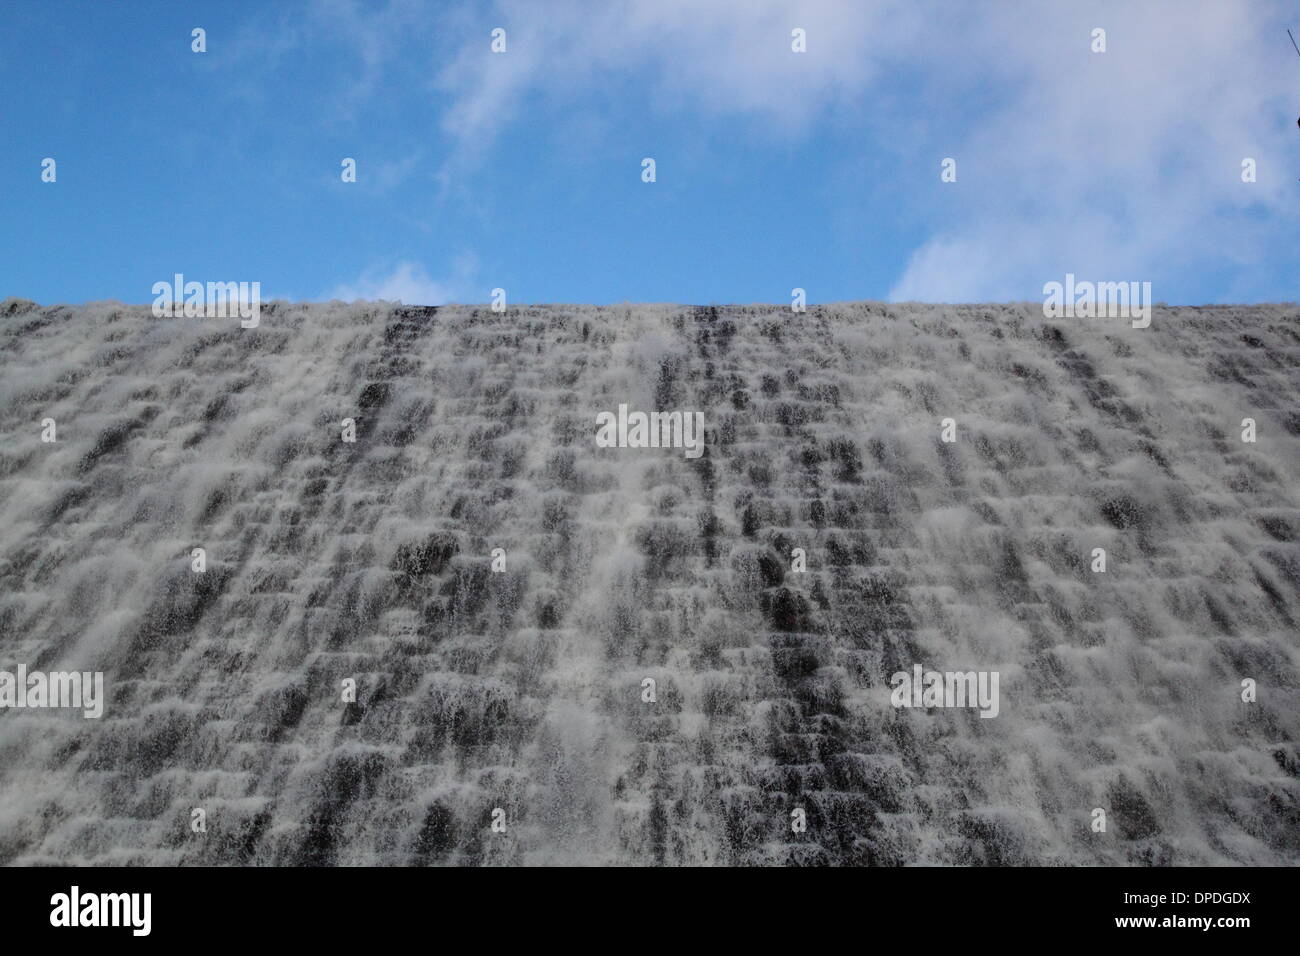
x,y
706,54
409,283
1118,165
1122,165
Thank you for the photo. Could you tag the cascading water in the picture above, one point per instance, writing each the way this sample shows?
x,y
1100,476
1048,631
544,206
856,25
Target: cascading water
x,y
511,685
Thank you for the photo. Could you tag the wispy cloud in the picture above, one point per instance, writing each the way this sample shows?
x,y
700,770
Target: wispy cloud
x,y
370,36
409,283
1122,164
705,55
1125,164
1109,162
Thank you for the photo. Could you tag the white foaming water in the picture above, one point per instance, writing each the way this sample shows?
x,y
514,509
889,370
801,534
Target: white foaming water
x,y
522,689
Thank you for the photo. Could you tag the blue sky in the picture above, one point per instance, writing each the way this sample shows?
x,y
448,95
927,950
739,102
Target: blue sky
x,y
775,169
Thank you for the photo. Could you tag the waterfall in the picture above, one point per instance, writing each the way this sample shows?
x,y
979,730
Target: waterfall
x,y
500,589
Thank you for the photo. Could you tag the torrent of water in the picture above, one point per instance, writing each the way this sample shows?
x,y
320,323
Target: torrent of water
x,y
517,683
